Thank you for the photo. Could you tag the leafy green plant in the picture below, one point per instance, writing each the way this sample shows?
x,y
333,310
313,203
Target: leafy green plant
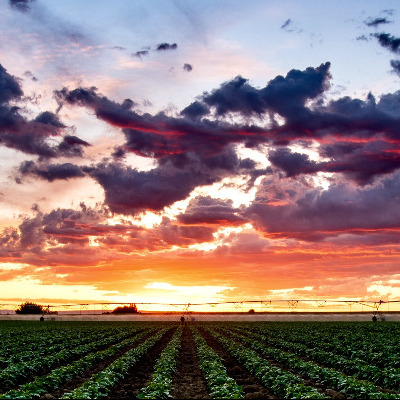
x,y
160,385
220,384
101,383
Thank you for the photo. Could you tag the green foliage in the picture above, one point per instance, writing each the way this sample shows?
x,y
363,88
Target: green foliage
x,y
359,360
101,383
220,384
160,385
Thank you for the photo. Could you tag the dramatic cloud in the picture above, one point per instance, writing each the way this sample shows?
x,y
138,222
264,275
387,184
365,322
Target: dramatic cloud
x,y
196,110
396,66
284,95
20,5
129,191
166,46
31,136
9,87
51,172
390,42
371,126
374,22
209,211
292,209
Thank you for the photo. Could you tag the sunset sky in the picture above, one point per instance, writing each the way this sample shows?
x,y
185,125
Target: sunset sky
x,y
199,150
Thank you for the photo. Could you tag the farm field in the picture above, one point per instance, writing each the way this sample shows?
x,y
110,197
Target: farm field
x,y
201,360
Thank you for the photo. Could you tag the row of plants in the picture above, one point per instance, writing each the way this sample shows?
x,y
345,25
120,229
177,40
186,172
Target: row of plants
x,y
221,385
160,385
388,377
282,383
375,344
40,346
21,372
100,384
45,384
348,385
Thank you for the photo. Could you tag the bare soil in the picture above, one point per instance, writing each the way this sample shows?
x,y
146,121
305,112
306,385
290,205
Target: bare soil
x,y
129,387
252,388
87,374
188,382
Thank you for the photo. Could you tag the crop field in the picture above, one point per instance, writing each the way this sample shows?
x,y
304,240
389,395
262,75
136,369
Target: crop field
x,y
200,360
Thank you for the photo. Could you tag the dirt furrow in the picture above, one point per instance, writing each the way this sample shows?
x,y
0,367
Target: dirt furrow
x,y
252,389
329,392
188,382
82,378
138,378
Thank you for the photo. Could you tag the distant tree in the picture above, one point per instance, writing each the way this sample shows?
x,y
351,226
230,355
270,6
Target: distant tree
x,y
29,308
131,309
251,311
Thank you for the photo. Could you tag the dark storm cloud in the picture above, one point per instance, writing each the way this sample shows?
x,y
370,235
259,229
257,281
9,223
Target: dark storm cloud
x,y
60,226
195,110
359,162
292,163
166,46
284,95
51,172
30,136
194,141
291,209
129,191
205,210
187,67
390,42
9,87
374,22
396,66
20,5
160,135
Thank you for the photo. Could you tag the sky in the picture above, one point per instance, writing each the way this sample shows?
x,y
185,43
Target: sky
x,y
199,151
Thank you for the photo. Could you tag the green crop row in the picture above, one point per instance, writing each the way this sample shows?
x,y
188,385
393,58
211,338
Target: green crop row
x,y
282,383
374,344
221,385
22,372
388,377
100,384
37,349
42,385
160,384
348,385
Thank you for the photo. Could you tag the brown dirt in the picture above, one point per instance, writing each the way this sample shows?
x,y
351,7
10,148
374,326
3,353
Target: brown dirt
x,y
86,375
45,370
129,387
188,382
328,392
252,389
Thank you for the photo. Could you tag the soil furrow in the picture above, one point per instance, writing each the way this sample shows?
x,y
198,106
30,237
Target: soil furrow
x,y
130,387
82,378
252,389
188,382
329,392
46,370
